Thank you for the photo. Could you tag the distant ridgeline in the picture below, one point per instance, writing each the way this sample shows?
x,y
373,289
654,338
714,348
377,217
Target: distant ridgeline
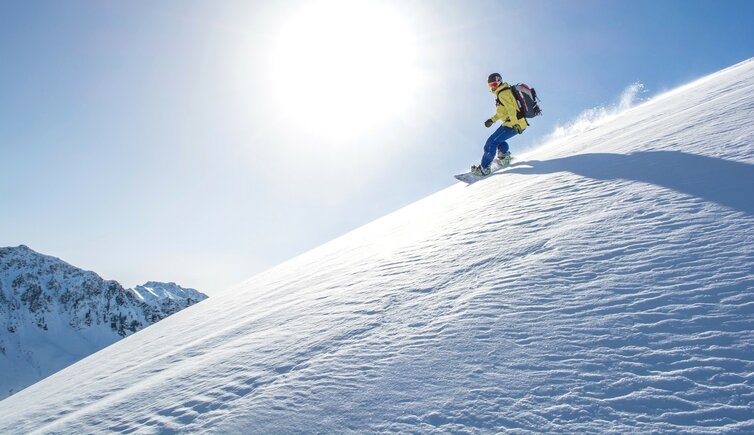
x,y
53,314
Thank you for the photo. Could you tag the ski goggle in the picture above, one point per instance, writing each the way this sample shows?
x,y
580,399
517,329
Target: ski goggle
x,y
493,85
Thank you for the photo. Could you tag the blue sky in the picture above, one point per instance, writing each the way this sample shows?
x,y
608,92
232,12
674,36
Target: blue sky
x,y
203,142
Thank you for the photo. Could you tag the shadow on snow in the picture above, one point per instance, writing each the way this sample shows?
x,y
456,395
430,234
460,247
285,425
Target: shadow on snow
x,y
724,182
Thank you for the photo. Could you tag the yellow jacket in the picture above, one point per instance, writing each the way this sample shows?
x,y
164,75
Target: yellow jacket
x,y
506,109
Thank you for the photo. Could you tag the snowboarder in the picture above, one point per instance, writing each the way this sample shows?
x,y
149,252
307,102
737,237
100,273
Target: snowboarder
x,y
507,111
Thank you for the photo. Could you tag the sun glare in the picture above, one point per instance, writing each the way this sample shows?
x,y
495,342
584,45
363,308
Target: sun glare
x,y
341,68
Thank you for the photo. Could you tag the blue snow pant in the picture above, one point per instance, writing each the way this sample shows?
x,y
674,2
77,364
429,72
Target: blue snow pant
x,y
497,141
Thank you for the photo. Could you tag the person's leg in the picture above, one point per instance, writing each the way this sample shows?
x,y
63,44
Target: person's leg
x,y
503,145
503,148
489,151
496,140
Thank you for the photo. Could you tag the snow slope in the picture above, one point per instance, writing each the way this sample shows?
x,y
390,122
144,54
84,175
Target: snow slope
x,y
605,283
53,314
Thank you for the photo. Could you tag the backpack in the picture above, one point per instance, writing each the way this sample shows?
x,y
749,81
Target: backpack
x,y
528,103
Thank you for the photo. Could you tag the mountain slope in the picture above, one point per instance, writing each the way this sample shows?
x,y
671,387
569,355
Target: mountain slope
x,y
54,314
603,283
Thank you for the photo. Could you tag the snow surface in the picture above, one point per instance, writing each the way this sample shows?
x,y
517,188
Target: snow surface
x,y
603,283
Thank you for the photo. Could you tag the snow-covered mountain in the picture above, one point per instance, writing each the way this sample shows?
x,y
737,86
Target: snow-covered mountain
x,y
53,314
604,283
161,293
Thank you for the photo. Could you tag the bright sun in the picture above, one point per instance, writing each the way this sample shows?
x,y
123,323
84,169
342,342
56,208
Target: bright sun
x,y
344,67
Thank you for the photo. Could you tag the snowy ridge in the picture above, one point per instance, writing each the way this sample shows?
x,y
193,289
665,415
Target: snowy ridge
x,y
152,292
54,314
603,283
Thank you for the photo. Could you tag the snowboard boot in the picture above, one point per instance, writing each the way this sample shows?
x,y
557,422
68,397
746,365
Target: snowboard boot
x,y
479,171
503,159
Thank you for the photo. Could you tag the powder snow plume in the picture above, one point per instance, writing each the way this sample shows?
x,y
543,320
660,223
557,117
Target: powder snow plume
x,y
595,116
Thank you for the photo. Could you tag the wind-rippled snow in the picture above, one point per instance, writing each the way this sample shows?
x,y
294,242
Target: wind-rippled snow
x,y
603,283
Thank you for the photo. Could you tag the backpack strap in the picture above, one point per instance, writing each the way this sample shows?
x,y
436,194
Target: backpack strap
x,y
497,94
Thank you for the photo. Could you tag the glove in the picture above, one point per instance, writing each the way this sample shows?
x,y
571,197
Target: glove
x,y
517,128
488,123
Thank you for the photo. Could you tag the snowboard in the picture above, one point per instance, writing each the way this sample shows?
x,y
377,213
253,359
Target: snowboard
x,y
469,178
